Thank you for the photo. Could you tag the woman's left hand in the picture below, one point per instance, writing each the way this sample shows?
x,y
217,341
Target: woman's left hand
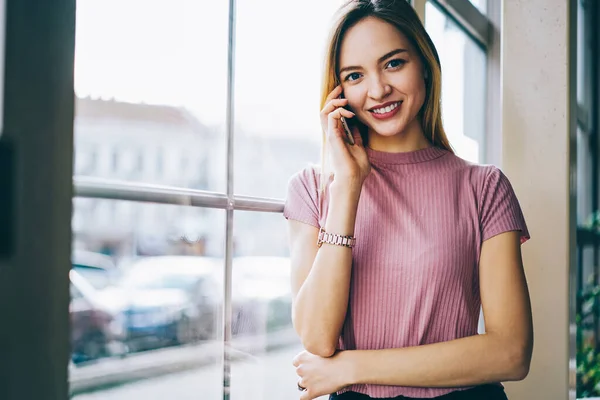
x,y
322,376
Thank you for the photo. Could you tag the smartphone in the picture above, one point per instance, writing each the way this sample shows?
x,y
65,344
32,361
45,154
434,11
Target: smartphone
x,y
349,135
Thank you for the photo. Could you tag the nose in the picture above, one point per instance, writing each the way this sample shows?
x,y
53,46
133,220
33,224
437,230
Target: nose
x,y
378,88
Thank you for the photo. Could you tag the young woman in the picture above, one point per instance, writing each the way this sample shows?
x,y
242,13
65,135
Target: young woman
x,y
396,247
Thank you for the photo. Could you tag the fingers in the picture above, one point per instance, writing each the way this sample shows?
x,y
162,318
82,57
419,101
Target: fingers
x,y
332,101
335,93
301,383
357,137
306,395
338,113
297,360
333,120
332,105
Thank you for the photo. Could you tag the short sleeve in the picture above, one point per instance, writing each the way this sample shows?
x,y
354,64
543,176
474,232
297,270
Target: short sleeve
x,y
302,201
500,209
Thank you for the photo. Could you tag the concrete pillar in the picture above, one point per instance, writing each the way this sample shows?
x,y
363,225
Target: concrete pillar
x,y
537,154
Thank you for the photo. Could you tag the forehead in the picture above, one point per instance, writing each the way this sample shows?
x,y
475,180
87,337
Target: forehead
x,y
369,39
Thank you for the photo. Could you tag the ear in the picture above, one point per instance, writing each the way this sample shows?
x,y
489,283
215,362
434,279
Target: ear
x,y
425,74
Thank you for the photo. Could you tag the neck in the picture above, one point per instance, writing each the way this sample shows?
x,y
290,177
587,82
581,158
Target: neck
x,y
410,139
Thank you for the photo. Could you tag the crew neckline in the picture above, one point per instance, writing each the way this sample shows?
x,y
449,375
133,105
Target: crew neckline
x,y
408,157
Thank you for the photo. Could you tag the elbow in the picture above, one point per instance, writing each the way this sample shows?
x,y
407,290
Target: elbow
x,y
316,345
519,361
518,372
314,342
319,349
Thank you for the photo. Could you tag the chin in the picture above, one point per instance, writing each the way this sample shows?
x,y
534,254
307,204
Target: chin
x,y
389,131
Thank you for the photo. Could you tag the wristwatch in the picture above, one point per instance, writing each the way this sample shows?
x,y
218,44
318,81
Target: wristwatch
x,y
333,238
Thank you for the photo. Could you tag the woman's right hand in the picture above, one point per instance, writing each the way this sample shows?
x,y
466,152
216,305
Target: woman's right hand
x,y
350,163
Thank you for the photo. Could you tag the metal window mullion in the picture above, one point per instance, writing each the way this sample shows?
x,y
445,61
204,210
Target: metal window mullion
x,y
227,309
583,118
242,203
575,262
143,193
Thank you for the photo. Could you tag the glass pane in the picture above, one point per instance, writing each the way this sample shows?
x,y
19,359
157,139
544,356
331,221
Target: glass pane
x,y
277,124
150,80
463,84
147,301
267,342
581,55
584,179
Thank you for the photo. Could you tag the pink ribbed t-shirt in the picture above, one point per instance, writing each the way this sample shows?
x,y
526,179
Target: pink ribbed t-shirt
x,y
420,223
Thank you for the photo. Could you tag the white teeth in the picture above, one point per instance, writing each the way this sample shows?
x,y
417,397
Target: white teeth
x,y
386,109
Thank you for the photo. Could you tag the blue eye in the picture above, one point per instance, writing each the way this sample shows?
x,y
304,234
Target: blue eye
x,y
352,77
396,63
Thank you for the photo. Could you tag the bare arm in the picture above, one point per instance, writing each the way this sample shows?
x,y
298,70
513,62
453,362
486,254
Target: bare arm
x,y
503,353
321,276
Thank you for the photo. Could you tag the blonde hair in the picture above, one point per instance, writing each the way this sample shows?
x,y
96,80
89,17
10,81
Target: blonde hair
x,y
400,14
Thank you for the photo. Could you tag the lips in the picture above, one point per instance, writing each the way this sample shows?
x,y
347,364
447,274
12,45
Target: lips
x,y
382,108
386,110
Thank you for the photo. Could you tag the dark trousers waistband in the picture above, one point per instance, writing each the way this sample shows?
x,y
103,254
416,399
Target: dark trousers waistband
x,y
483,392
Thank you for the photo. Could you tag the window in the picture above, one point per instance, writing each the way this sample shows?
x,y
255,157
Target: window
x,y
261,276
158,86
75,294
583,55
584,282
99,278
463,84
139,163
161,92
115,162
160,164
270,139
144,96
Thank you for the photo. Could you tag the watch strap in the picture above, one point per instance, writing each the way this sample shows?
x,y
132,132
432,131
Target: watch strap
x,y
335,239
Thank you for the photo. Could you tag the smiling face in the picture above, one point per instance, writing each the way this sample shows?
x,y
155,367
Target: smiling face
x,y
382,78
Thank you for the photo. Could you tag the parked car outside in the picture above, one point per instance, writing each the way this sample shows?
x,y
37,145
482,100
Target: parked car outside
x,y
265,281
171,300
98,269
102,274
96,331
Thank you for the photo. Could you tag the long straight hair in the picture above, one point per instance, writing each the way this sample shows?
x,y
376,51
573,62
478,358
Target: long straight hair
x,y
401,15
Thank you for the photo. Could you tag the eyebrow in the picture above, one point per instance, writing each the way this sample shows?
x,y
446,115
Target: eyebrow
x,y
381,59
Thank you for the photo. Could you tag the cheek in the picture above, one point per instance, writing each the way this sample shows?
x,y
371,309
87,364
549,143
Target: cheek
x,y
355,100
410,83
415,88
420,97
